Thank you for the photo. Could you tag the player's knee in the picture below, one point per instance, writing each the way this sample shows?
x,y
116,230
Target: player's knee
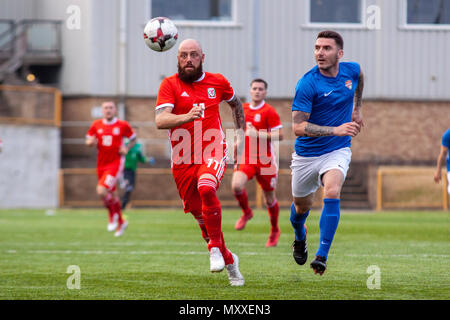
x,y
302,207
332,192
237,188
101,191
270,199
206,192
238,182
208,195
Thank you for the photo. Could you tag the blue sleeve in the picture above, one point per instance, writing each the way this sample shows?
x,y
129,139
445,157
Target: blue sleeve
x,y
304,95
446,139
356,69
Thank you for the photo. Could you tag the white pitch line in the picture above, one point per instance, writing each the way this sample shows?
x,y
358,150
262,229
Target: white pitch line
x,y
157,252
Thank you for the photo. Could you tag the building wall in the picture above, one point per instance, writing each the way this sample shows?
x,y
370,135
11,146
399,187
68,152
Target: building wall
x,y
29,165
399,63
394,132
17,9
270,39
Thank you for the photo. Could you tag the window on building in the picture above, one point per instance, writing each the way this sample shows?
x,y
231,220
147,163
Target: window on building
x,y
199,10
335,11
428,12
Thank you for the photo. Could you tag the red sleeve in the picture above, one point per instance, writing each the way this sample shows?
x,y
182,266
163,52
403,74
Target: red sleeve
x,y
92,132
166,97
128,131
273,119
228,91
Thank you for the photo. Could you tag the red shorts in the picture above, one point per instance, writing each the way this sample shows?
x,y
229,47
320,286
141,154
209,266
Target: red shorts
x,y
108,175
186,178
266,175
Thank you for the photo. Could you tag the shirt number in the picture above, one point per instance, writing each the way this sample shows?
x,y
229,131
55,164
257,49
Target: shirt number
x,y
202,105
107,141
211,161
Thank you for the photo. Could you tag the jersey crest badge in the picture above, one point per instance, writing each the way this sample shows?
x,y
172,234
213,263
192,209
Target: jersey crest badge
x,y
349,84
257,117
211,93
100,131
116,131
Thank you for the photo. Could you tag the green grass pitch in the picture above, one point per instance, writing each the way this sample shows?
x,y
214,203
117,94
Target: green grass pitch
x,y
162,256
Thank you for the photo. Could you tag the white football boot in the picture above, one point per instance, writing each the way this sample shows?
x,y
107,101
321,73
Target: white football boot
x,y
121,229
217,264
234,275
113,225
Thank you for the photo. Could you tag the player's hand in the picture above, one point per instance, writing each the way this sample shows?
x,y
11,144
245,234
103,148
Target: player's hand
x,y
91,141
195,113
437,176
151,161
251,131
347,129
123,150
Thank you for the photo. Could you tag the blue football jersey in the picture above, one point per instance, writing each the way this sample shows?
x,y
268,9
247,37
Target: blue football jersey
x,y
446,143
329,101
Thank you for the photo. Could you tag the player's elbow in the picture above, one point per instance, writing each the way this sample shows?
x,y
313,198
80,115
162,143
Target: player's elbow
x,y
299,129
159,122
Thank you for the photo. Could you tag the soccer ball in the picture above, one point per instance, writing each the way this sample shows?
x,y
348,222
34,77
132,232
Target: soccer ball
x,y
160,34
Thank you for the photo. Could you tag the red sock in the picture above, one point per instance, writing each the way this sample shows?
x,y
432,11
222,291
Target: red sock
x,y
118,209
274,211
242,198
108,203
226,254
113,205
201,224
212,214
227,257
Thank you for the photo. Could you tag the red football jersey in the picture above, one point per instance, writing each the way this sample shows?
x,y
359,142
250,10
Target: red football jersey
x,y
203,136
262,117
109,139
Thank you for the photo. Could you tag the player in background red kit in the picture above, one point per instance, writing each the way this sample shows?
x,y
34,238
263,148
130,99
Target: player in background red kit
x,y
263,126
188,105
108,134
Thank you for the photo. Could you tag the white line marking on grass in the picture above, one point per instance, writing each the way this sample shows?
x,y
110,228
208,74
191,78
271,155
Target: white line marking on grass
x,y
158,252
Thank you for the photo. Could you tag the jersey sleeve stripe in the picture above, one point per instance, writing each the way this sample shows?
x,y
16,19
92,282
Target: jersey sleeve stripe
x,y
277,127
164,105
231,97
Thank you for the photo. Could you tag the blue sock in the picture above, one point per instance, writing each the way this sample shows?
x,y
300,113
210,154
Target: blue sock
x,y
298,223
328,224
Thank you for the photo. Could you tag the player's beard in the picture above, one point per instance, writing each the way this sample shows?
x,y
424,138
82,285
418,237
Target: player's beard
x,y
333,63
190,76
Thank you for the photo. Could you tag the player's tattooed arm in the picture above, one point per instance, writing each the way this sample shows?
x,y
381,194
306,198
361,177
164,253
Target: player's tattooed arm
x,y
239,124
313,130
357,114
238,112
359,91
304,128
